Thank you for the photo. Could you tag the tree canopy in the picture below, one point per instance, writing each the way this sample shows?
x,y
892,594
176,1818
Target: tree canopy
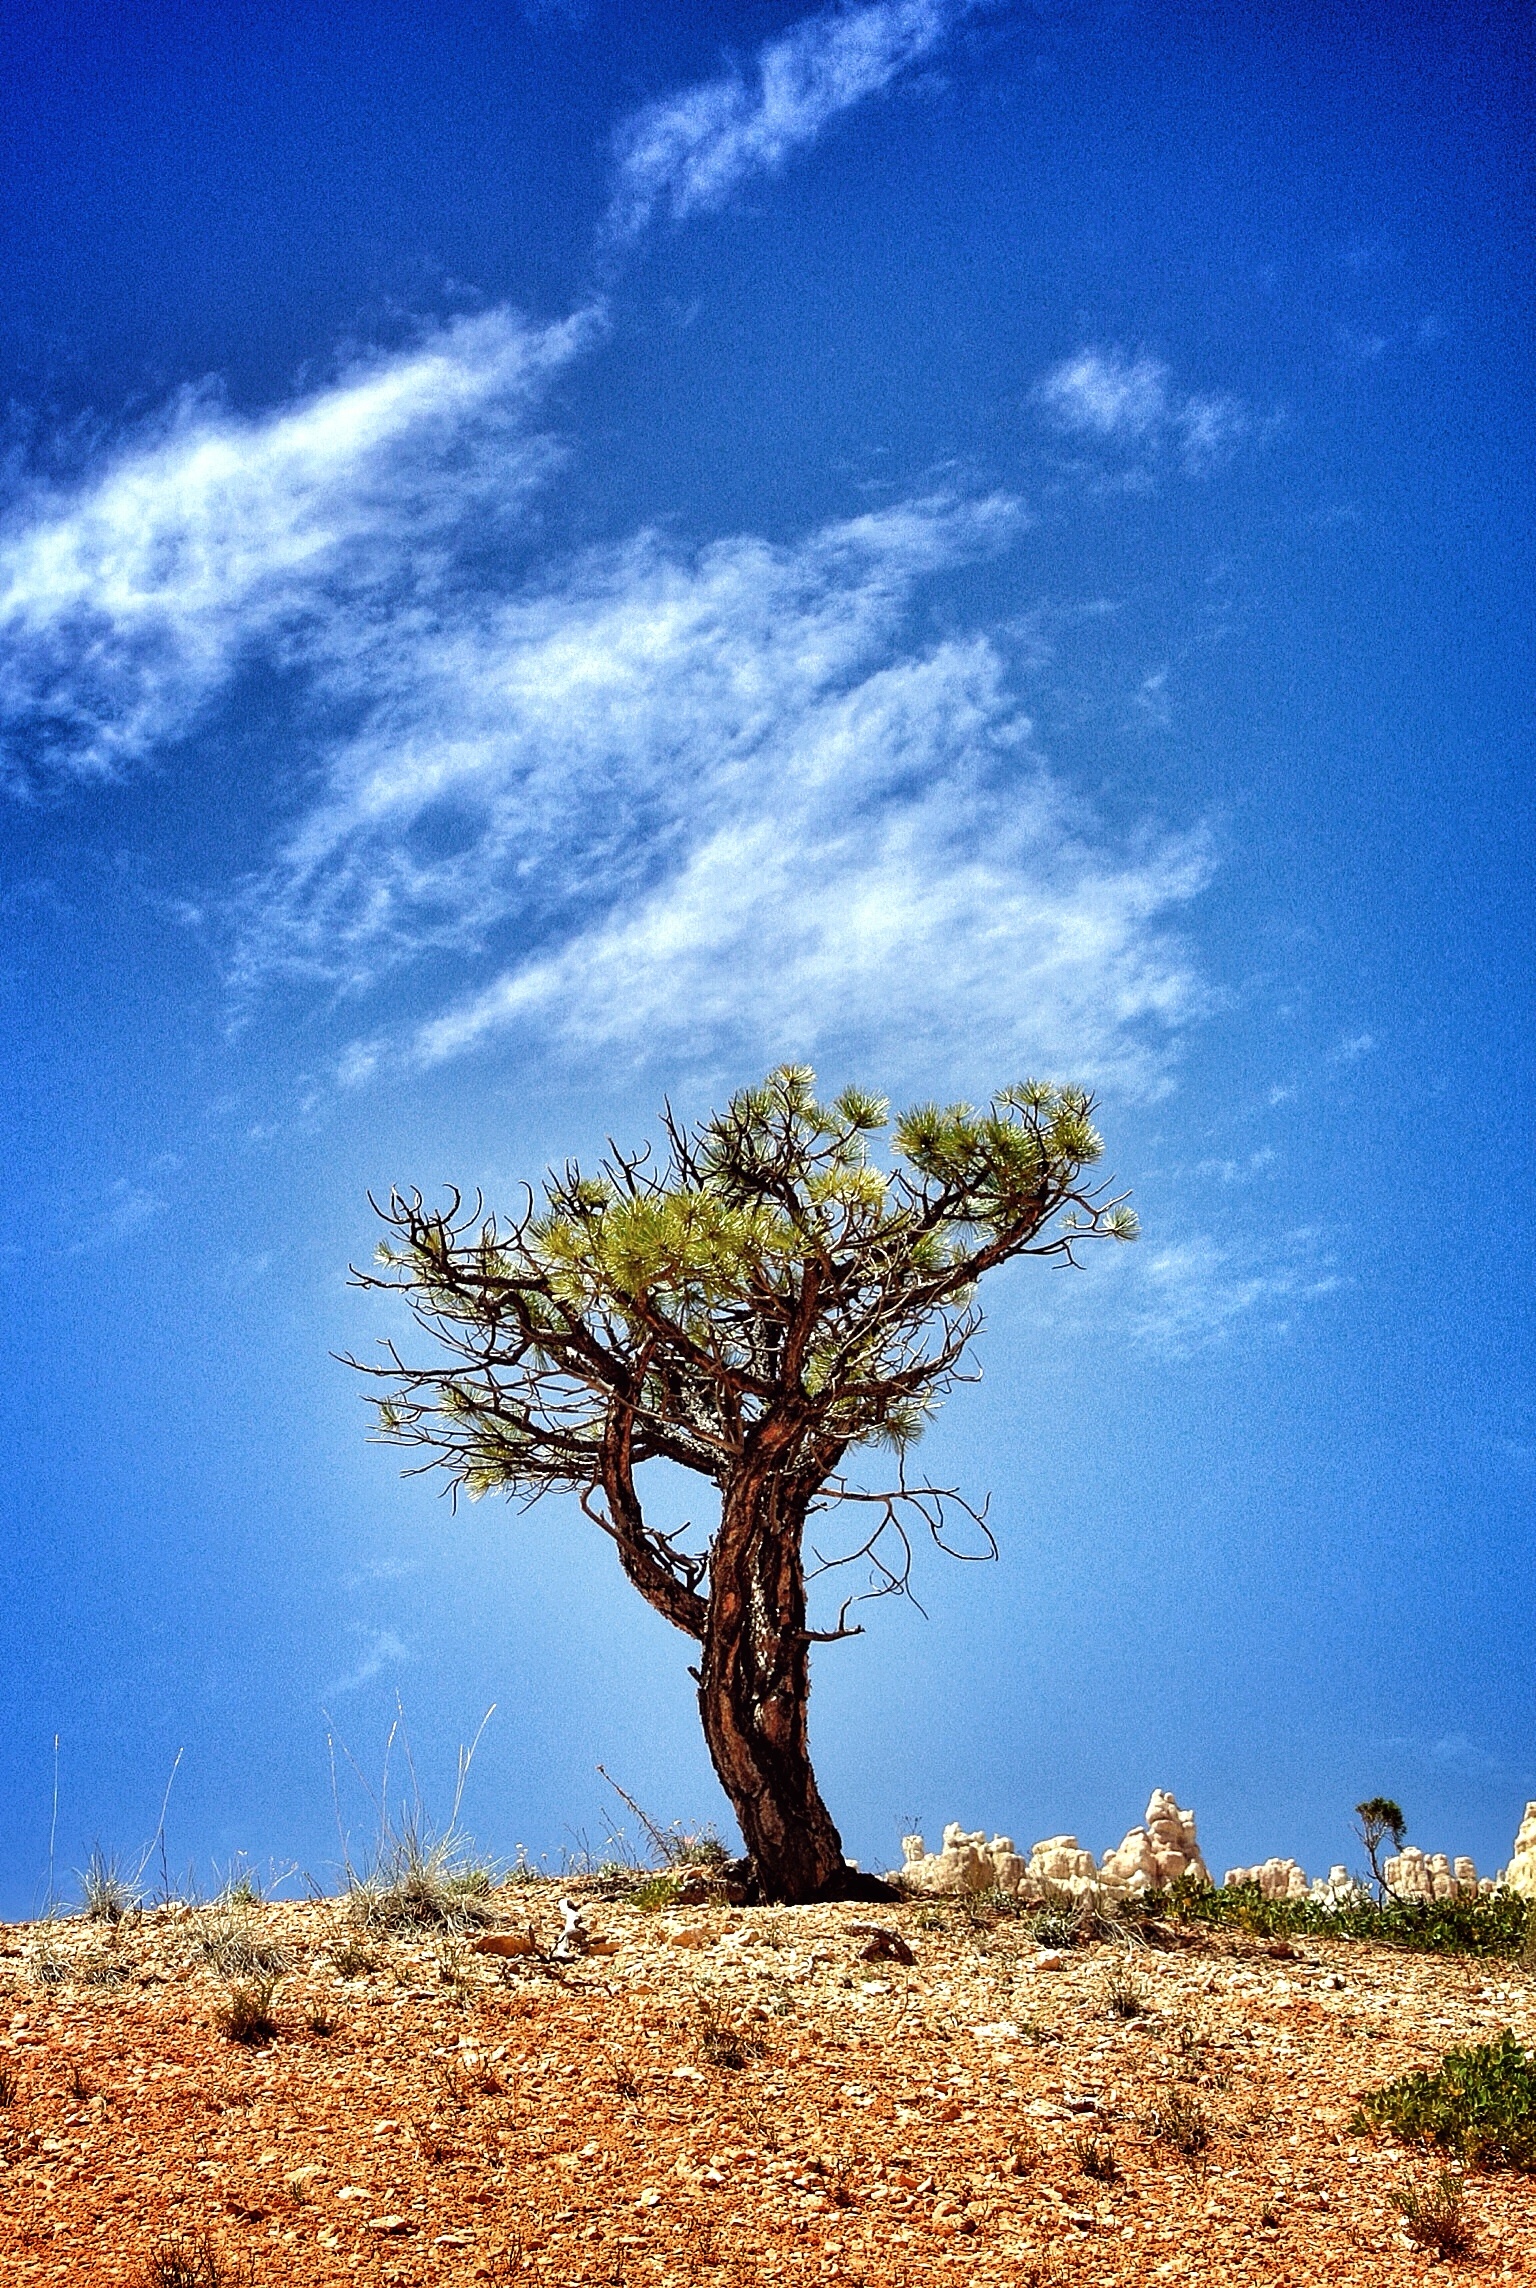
x,y
754,1300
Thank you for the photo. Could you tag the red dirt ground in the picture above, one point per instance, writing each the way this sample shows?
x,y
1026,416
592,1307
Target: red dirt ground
x,y
755,2102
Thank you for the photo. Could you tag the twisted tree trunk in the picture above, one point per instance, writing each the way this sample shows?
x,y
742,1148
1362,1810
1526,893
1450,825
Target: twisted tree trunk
x,y
754,1683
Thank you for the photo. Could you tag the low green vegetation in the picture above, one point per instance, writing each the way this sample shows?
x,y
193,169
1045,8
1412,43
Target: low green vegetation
x,y
656,1892
1500,1924
1479,2104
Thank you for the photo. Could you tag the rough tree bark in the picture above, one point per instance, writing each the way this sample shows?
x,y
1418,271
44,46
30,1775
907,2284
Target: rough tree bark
x,y
754,1684
754,1674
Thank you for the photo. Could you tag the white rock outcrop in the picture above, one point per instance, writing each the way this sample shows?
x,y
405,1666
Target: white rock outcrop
x,y
1166,1847
1520,1875
1276,1878
1425,1877
1337,1888
1158,1853
966,1863
1060,1868
1151,1857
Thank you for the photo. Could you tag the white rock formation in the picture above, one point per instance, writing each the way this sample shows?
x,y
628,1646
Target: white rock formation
x,y
1413,1875
1276,1878
1060,1867
1520,1874
966,1863
1337,1888
1150,1858
1156,1854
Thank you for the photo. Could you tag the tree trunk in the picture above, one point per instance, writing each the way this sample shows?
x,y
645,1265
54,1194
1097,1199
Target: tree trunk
x,y
754,1683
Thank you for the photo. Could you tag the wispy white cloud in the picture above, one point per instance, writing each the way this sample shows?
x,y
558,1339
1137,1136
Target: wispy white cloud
x,y
734,809
1192,1294
708,802
382,1649
687,153
1186,1290
1129,401
128,601
126,1210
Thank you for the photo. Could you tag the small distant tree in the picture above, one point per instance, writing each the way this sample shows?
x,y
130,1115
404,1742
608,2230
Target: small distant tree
x,y
755,1302
1377,1820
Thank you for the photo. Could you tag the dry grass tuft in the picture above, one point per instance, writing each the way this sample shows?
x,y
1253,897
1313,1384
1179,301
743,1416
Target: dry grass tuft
x,y
193,2261
722,2042
1096,2157
246,2015
1434,2215
1180,2120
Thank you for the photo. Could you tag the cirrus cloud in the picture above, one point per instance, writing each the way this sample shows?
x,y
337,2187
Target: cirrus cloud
x,y
686,153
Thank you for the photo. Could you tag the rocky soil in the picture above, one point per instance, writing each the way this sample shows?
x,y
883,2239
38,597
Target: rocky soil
x,y
732,2094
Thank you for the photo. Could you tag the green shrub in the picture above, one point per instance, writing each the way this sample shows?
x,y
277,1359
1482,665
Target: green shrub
x,y
1479,2103
656,1892
1500,1924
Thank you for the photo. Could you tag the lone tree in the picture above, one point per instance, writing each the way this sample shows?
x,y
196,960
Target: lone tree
x,y
753,1302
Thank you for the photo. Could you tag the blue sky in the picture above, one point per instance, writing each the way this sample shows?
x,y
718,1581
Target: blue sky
x,y
552,557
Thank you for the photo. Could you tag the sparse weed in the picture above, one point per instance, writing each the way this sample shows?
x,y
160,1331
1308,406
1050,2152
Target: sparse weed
x,y
1180,2120
107,1895
353,1957
452,1962
1096,2157
7,2085
320,2022
1434,2215
79,2088
102,1970
1123,1998
246,2014
194,2261
1037,2035
721,2041
243,1888
1479,2104
452,2083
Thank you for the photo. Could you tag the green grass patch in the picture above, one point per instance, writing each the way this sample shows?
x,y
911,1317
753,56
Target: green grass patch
x,y
656,1892
1478,2103
1501,1924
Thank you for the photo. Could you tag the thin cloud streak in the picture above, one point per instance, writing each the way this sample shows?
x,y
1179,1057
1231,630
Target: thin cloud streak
x,y
696,803
129,601
687,153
